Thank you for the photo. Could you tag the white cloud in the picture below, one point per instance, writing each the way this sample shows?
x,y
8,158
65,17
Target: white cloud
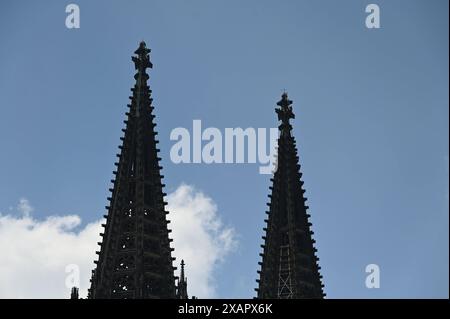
x,y
200,238
35,253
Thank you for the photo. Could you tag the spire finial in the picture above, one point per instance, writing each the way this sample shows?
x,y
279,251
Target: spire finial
x,y
142,61
285,112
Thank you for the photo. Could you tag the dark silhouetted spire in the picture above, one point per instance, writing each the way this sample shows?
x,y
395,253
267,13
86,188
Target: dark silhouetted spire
x,y
289,267
135,256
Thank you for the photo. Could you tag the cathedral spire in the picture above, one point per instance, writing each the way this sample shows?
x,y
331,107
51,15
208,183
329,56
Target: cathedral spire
x,y
135,256
289,267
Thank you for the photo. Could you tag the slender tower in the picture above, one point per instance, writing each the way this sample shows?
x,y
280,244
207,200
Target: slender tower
x,y
289,267
135,256
182,284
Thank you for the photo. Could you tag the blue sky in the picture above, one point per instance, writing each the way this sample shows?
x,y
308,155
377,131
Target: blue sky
x,y
371,121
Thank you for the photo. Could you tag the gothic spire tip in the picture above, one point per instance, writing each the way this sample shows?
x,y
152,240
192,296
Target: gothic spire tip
x,y
142,50
285,111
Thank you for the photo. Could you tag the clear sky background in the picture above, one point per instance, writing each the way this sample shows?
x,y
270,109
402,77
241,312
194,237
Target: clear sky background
x,y
371,121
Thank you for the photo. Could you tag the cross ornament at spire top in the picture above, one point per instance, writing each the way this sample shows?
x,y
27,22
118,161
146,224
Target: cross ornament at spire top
x,y
142,60
285,112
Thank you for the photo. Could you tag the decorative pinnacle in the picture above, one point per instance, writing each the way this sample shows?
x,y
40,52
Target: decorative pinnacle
x,y
182,270
285,112
142,60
